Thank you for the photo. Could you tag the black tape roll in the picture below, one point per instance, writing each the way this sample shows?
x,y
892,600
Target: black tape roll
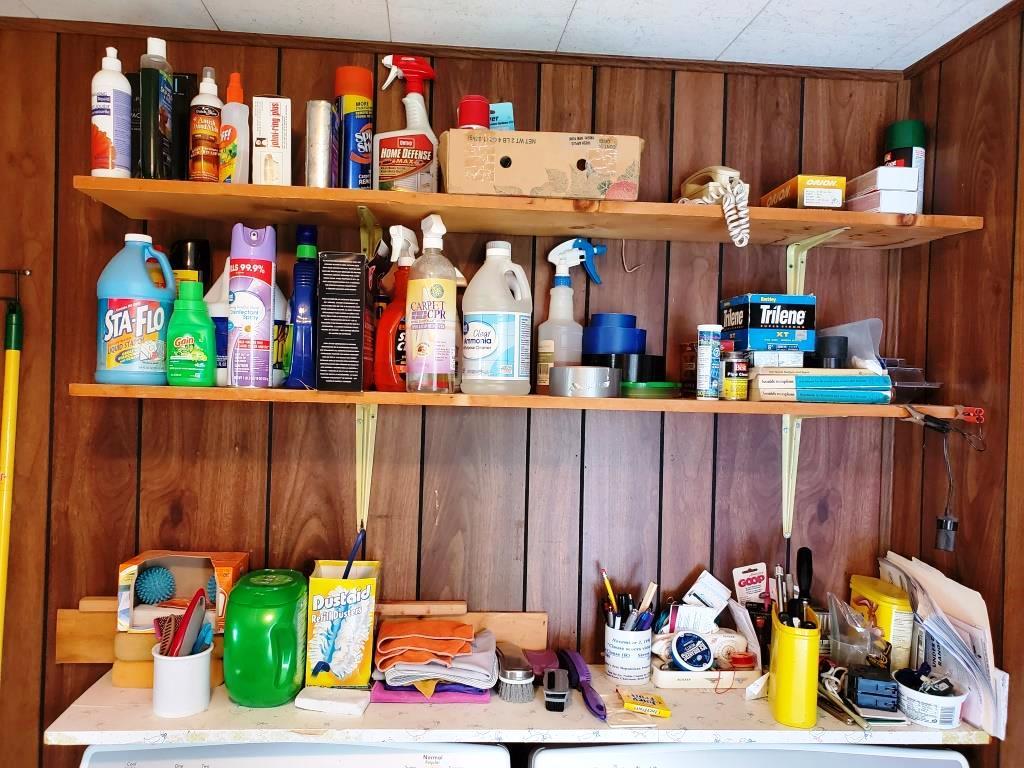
x,y
635,368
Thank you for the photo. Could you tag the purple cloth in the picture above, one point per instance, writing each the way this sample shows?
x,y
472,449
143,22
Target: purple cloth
x,y
381,695
440,688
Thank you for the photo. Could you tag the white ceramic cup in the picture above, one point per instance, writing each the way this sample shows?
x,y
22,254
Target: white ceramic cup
x,y
627,656
181,684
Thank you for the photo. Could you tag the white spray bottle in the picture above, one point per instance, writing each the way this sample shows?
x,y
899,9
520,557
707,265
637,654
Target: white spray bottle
x,y
560,337
407,159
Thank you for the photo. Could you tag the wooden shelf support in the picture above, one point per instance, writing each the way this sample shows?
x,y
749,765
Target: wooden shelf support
x,y
366,437
796,258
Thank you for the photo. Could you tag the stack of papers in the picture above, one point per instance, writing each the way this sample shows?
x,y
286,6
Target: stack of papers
x,y
954,636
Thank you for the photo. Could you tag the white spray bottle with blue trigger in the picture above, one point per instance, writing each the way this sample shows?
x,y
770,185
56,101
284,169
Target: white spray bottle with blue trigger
x,y
560,337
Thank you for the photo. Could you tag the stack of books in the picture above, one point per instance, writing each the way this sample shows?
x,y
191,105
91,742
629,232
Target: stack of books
x,y
819,385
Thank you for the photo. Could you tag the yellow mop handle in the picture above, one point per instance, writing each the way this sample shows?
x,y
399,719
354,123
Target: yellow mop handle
x,y
8,428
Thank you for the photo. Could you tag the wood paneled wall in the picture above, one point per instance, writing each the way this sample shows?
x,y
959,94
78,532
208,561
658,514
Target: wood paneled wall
x,y
509,509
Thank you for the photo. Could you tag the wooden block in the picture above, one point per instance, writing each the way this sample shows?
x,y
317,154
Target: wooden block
x,y
527,630
138,646
98,604
139,674
85,638
421,608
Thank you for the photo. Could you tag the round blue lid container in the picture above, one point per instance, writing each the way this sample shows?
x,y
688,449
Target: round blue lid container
x,y
616,319
614,340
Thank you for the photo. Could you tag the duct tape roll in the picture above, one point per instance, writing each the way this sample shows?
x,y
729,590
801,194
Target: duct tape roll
x,y
613,320
634,367
613,340
584,381
691,652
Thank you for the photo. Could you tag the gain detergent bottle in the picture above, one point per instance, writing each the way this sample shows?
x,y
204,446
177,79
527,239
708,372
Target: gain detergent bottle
x,y
131,337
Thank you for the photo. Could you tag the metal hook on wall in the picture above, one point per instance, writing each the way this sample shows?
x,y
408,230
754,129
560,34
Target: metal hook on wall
x,y
622,252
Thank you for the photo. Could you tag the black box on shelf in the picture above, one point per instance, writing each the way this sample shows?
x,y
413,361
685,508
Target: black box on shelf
x,y
344,324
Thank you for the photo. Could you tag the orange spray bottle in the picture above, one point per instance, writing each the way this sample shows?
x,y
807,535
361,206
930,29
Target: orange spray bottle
x,y
389,361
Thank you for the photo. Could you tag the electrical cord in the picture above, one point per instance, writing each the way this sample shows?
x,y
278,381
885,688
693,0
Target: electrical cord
x,y
737,213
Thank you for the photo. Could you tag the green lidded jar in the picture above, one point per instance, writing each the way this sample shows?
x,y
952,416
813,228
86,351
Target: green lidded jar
x,y
265,638
191,340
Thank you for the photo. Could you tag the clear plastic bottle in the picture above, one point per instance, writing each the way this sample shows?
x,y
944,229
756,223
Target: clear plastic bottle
x,y
559,338
431,322
496,328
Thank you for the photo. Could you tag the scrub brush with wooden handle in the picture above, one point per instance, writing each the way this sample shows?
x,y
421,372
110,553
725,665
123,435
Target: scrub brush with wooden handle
x,y
515,675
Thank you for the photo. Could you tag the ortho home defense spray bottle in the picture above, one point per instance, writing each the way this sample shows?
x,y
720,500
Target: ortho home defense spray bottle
x,y
430,317
390,358
253,269
407,159
496,326
560,337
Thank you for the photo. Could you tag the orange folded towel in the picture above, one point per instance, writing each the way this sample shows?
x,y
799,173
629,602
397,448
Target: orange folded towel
x,y
420,641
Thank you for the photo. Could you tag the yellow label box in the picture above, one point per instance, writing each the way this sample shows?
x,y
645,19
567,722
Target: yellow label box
x,y
808,191
339,632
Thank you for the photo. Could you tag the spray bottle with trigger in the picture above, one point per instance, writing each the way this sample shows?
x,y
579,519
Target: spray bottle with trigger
x,y
389,360
406,159
560,337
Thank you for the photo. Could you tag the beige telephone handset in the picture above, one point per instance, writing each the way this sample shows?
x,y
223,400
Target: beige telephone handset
x,y
719,184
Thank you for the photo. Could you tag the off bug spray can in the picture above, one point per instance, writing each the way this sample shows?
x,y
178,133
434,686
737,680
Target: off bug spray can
x,y
709,361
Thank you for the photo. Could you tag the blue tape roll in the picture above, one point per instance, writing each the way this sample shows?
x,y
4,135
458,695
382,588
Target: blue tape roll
x,y
613,319
612,340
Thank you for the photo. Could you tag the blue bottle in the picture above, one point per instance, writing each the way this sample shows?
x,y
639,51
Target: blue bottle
x,y
131,334
302,315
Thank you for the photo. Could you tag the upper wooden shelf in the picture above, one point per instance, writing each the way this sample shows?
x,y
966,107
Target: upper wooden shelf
x,y
147,199
544,402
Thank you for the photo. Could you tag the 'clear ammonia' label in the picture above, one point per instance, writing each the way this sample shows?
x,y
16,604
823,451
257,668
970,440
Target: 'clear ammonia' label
x,y
496,346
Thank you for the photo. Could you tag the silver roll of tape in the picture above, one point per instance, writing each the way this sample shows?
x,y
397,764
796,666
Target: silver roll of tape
x,y
320,127
584,381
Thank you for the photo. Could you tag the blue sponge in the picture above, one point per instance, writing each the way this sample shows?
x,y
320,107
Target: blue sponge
x,y
211,590
154,585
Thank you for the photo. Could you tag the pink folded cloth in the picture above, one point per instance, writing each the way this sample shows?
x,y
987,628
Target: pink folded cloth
x,y
381,695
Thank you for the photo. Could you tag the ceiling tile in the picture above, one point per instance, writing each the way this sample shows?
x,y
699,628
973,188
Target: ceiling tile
x,y
156,13
816,34
940,31
677,29
15,8
531,25
337,19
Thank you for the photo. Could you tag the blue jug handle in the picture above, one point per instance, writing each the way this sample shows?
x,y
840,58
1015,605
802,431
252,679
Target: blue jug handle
x,y
165,267
282,646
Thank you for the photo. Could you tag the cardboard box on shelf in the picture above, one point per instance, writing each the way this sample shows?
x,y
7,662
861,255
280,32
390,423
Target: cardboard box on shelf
x,y
191,571
340,627
345,324
584,166
272,140
769,321
808,191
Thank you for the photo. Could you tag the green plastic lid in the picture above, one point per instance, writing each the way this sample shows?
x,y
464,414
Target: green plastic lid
x,y
905,133
190,290
269,587
651,389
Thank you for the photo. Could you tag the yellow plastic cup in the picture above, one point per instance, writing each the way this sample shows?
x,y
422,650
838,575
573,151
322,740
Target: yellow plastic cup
x,y
793,673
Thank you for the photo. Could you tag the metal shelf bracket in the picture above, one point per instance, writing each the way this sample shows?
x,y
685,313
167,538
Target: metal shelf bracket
x,y
366,437
796,258
370,232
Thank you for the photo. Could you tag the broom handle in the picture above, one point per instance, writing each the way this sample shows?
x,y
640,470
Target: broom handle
x,y
8,428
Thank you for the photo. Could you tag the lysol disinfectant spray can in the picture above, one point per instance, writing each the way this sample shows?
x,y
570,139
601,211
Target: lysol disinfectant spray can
x,y
709,362
251,306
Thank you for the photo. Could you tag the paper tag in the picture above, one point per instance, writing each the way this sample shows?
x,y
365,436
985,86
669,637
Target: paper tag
x,y
501,117
707,591
751,582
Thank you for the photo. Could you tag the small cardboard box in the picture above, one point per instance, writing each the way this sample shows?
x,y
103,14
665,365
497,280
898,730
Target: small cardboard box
x,y
344,324
271,140
191,571
769,321
808,191
586,166
340,629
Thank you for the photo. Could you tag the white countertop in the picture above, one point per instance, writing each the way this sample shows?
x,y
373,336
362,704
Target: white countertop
x,y
108,715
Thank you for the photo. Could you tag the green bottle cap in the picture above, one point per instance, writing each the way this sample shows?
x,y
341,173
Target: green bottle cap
x,y
905,133
269,587
190,290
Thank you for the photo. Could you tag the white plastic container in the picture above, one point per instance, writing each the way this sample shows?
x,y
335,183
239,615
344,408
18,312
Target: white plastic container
x,y
627,656
941,712
496,326
234,135
559,338
181,684
111,146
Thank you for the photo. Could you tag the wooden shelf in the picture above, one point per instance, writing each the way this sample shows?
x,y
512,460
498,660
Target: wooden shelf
x,y
108,715
147,199
545,402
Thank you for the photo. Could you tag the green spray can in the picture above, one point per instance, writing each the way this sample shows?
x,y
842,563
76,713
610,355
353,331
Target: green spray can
x,y
191,340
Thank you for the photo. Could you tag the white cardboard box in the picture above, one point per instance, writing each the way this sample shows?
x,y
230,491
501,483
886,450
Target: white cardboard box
x,y
884,177
272,140
885,201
